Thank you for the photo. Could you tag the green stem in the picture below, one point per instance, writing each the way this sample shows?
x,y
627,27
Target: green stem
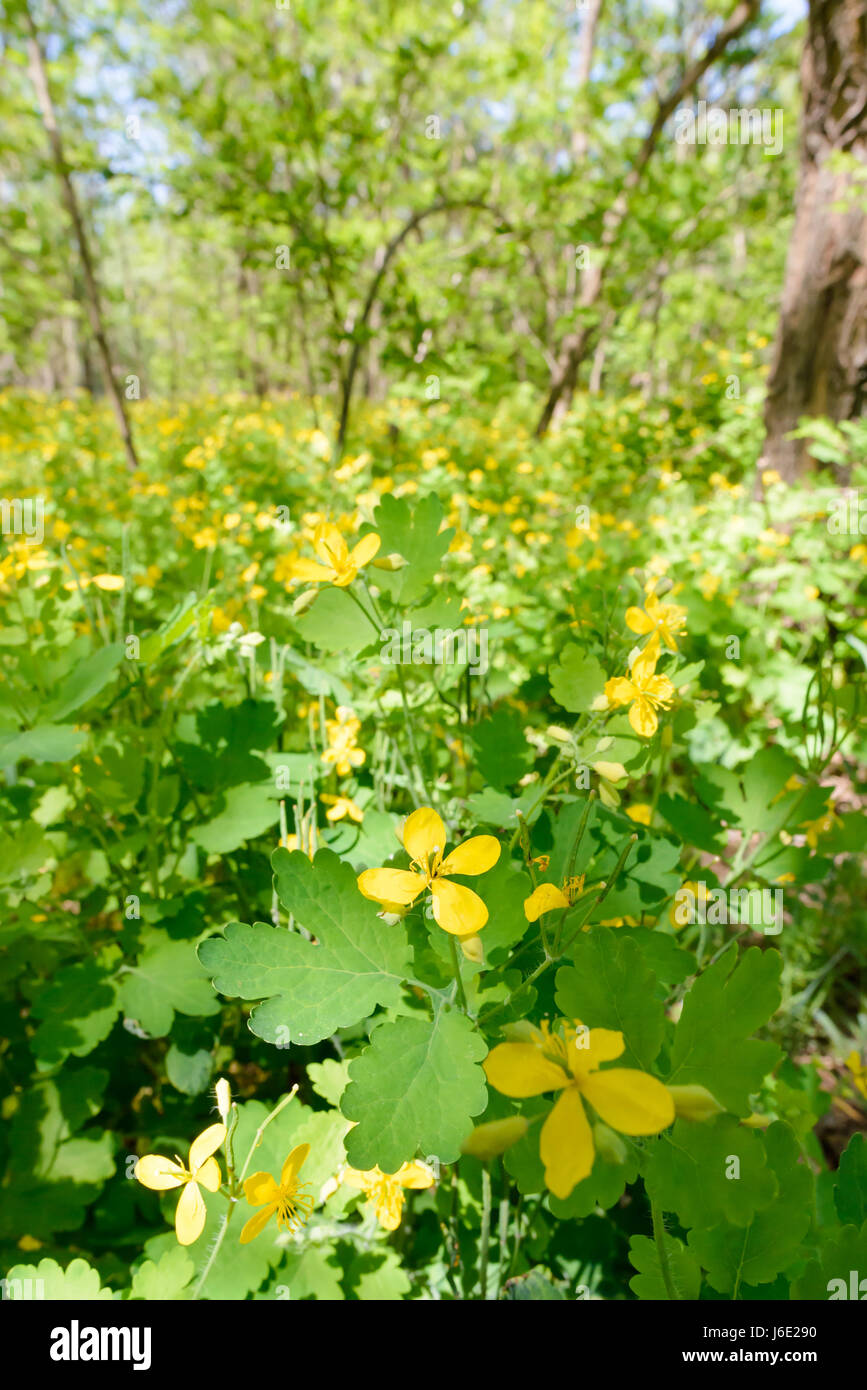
x,y
659,1237
456,966
485,1235
234,1198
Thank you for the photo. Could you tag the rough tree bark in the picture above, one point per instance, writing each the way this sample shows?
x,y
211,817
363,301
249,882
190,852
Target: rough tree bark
x,y
91,297
820,356
575,345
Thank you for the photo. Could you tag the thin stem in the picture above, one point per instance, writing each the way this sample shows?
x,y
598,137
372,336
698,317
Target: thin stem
x,y
456,966
659,1237
485,1235
234,1198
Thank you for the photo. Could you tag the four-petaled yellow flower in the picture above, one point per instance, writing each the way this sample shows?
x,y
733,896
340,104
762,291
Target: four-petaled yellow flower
x,y
667,620
338,564
342,734
547,897
341,807
643,691
385,1191
568,1059
286,1199
160,1174
456,909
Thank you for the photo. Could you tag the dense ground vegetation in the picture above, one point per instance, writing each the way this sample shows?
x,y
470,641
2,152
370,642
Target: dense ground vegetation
x,y
204,727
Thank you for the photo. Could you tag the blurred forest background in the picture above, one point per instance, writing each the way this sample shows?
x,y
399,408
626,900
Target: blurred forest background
x,y
460,199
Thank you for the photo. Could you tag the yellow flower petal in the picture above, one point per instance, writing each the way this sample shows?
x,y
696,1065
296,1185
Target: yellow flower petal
x,y
364,552
592,1046
190,1215
415,1176
630,1101
544,899
456,909
474,856
207,1143
293,1163
209,1175
521,1070
642,717
423,832
391,885
566,1144
257,1223
638,621
310,571
260,1188
330,545
158,1173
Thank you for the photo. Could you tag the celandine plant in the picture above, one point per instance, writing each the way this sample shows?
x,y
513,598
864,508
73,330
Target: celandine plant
x,y
459,1039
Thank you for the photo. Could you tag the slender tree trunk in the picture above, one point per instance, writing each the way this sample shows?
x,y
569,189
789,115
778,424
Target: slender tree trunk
x,y
820,355
575,345
92,299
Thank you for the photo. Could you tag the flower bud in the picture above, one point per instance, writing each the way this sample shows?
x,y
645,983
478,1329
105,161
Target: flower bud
x,y
472,949
609,1145
493,1138
612,772
224,1099
694,1103
304,601
390,562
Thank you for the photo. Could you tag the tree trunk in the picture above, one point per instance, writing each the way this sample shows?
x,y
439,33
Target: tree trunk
x,y
575,345
92,300
820,356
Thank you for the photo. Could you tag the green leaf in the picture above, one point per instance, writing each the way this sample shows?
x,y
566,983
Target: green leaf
x,y
771,1241
504,889
693,823
189,1072
850,1189
413,532
167,1280
47,743
78,1009
415,1089
576,680
842,1249
166,978
329,1079
85,681
311,990
712,1043
78,1283
690,1172
648,1283
376,1276
336,624
54,1172
610,985
502,752
536,1286
249,811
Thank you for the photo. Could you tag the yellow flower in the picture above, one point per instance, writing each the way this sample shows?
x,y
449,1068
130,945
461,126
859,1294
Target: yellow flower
x,y
641,813
341,807
385,1191
338,564
547,897
285,1198
822,826
643,691
859,1073
568,1060
160,1174
666,619
342,748
110,583
456,909
684,902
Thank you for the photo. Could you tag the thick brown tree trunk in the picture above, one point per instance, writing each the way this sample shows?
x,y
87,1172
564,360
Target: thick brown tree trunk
x,y
820,355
